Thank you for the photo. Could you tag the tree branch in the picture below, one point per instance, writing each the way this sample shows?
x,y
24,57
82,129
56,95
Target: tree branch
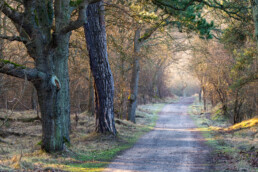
x,y
108,4
19,71
82,17
14,38
15,16
161,3
148,34
229,10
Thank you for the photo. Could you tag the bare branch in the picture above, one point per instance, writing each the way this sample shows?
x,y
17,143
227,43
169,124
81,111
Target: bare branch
x,y
108,4
80,20
15,16
82,17
150,31
19,71
14,38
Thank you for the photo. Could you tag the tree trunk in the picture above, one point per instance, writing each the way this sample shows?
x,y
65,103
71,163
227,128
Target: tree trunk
x,y
52,124
204,99
54,99
45,28
95,33
62,72
237,107
91,95
34,101
132,100
255,17
200,95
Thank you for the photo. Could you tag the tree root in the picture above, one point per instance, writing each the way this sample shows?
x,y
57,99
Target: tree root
x,y
120,122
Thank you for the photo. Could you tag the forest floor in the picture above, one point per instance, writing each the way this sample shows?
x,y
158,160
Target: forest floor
x,y
183,139
173,145
234,146
20,141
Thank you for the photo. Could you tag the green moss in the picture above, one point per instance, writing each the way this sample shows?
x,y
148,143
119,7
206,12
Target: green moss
x,y
66,141
75,3
36,17
39,143
9,6
15,64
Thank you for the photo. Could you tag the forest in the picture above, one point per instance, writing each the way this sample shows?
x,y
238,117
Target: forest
x,y
101,85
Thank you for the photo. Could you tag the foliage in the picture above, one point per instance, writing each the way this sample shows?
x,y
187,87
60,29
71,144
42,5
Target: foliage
x,y
187,16
229,77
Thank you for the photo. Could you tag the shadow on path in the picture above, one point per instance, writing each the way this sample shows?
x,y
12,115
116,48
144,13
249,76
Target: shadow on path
x,y
174,145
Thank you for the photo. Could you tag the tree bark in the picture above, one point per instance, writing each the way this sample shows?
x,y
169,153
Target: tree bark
x,y
200,95
132,100
50,52
34,101
95,33
204,99
53,97
91,107
255,17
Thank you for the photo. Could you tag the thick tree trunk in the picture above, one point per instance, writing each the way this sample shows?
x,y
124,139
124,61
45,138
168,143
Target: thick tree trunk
x,y
132,100
61,71
53,92
95,34
54,99
45,28
52,124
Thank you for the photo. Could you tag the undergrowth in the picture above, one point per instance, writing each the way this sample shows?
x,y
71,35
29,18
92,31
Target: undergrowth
x,y
234,146
88,150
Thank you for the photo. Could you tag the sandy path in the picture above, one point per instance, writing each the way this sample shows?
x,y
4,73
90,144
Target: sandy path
x,y
172,146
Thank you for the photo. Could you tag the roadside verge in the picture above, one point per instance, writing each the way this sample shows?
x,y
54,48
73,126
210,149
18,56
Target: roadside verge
x,y
234,146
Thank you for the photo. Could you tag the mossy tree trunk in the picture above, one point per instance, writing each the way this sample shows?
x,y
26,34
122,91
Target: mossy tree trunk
x,y
45,28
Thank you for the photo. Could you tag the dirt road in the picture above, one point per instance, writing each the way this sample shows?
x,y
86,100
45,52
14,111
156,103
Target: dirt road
x,y
173,145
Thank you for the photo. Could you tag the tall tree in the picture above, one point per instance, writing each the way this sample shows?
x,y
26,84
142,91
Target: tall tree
x,y
95,33
255,18
45,28
132,104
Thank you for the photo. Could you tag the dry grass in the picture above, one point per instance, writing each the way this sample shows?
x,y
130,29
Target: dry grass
x,y
88,151
235,146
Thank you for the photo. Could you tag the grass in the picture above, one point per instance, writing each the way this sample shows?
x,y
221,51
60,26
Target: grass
x,y
235,146
88,151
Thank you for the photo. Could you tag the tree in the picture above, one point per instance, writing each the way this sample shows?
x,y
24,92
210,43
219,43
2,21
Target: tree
x,y
141,15
95,34
44,28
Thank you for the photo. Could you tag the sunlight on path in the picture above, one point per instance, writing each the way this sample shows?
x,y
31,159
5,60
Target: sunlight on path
x,y
174,145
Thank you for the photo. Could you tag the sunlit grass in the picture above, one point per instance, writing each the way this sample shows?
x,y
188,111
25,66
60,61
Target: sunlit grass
x,y
88,151
234,146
